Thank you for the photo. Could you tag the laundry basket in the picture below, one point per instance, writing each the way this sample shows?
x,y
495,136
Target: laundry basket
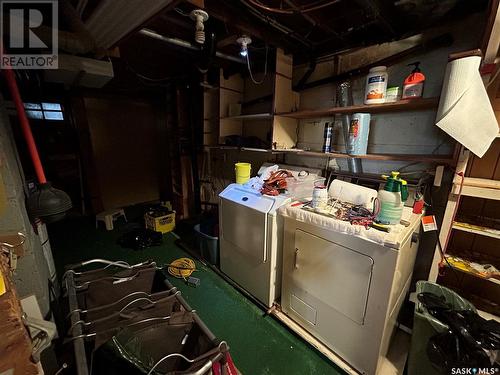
x,y
149,330
208,245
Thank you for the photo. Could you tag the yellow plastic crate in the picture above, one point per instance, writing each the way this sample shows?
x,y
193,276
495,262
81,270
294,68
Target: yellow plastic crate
x,y
163,224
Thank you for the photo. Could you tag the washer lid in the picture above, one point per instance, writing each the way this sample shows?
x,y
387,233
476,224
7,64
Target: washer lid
x,y
252,198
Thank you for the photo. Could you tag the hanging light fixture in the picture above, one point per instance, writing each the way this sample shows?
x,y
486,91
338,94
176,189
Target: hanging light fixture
x,y
199,16
244,41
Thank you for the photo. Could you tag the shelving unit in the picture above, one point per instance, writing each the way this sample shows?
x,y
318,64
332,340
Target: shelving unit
x,y
274,122
258,121
476,193
400,106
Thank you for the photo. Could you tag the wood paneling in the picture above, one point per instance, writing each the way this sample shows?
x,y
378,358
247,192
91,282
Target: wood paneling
x,y
284,132
125,149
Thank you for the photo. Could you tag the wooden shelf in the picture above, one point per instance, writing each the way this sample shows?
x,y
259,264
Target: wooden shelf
x,y
488,316
435,159
402,105
251,149
255,116
474,274
476,229
477,187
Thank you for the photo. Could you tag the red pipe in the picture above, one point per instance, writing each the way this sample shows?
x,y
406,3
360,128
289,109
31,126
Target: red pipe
x,y
25,125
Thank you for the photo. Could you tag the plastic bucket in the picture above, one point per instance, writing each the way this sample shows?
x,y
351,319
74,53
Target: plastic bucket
x,y
242,171
208,245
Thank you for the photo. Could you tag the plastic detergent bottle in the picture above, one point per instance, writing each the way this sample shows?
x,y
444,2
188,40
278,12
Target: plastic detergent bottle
x,y
376,85
392,198
413,86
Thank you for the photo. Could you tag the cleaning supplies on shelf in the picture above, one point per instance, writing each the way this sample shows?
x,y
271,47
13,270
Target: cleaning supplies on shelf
x,y
413,86
393,94
392,198
327,137
376,85
359,129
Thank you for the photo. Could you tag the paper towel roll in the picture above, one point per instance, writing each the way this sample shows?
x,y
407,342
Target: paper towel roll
x,y
352,193
465,111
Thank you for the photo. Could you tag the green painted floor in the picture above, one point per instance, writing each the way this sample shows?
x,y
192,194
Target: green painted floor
x,y
259,345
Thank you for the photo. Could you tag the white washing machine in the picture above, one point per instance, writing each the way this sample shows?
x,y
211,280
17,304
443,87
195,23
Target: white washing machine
x,y
250,234
346,289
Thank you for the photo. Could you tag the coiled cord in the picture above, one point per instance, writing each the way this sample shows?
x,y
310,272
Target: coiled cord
x,y
181,268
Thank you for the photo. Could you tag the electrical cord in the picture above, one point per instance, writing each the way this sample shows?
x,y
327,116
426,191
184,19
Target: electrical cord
x,y
181,268
250,69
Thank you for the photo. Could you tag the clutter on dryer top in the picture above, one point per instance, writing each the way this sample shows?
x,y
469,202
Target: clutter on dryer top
x,y
359,205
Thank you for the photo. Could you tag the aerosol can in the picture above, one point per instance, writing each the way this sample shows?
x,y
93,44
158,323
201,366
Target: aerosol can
x,y
392,198
413,86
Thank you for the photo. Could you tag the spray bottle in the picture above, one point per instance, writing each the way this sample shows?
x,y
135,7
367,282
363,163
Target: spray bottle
x,y
413,86
392,198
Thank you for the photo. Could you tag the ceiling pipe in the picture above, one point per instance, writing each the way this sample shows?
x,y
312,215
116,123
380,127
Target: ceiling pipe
x,y
278,26
185,44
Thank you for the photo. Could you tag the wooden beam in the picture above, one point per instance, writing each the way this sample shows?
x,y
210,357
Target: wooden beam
x,y
249,24
228,40
198,3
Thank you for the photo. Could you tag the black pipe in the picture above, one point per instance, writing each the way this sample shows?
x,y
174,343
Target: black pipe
x,y
307,74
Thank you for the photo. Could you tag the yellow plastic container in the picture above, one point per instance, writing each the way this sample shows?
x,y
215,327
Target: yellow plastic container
x,y
242,171
160,223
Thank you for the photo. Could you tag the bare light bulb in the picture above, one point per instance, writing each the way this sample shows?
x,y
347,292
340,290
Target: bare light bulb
x,y
244,41
199,16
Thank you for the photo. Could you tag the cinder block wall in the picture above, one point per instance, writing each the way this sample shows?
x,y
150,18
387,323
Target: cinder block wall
x,y
32,274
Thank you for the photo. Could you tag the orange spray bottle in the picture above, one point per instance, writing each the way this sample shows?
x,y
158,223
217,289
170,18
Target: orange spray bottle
x,y
413,86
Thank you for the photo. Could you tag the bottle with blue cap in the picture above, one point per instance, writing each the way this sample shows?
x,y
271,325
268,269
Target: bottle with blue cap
x,y
392,198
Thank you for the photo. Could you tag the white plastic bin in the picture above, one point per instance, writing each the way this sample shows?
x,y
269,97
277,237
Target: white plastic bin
x,y
300,188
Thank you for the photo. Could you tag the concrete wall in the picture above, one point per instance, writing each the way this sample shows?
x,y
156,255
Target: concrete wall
x,y
404,132
32,274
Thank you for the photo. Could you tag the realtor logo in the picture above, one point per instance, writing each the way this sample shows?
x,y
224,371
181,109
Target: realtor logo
x,y
29,34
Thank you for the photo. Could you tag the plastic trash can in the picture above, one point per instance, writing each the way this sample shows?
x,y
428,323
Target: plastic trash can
x,y
425,326
208,245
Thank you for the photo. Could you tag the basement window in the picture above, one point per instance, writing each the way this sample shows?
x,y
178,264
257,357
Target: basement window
x,y
44,111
